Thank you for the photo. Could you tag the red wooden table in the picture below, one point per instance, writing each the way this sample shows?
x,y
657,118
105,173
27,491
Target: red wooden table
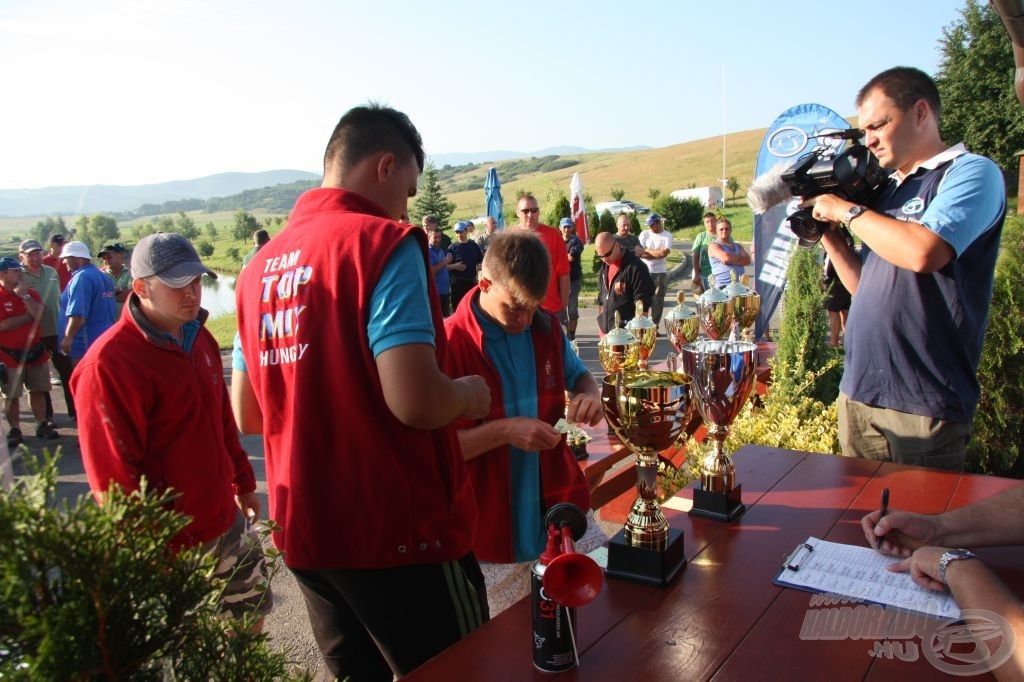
x,y
722,617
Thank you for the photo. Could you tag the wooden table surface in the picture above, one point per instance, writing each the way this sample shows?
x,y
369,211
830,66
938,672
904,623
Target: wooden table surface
x,y
723,618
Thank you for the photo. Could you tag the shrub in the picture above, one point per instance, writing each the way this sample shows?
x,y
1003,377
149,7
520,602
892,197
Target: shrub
x,y
205,249
678,214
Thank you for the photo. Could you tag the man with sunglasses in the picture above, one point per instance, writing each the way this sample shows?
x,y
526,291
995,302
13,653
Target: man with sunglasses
x,y
623,280
558,287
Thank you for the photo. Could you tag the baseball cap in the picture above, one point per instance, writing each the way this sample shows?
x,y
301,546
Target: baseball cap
x,y
564,222
75,249
8,263
117,247
57,239
170,257
30,245
653,218
461,226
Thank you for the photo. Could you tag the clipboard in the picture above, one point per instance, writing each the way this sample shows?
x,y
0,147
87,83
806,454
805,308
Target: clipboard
x,y
852,573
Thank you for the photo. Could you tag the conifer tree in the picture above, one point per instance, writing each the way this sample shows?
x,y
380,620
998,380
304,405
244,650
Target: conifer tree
x,y
430,200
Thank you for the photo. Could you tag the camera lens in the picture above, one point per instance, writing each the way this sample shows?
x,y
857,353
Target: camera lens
x,y
805,226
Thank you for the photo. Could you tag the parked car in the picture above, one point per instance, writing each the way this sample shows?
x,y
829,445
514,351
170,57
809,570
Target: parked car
x,y
613,207
636,207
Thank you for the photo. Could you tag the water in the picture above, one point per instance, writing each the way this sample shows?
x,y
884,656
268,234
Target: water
x,y
219,294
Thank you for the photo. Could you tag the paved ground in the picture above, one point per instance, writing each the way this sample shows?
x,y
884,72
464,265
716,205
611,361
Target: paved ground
x,y
288,624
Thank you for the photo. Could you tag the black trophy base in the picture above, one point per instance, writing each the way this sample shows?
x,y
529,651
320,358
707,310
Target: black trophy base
x,y
644,565
719,506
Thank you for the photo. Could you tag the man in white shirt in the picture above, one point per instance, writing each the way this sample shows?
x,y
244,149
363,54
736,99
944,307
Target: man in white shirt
x,y
656,243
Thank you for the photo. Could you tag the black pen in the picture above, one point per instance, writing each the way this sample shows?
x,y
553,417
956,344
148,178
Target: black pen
x,y
881,515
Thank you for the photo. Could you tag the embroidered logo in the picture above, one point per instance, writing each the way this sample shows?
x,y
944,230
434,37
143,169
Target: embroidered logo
x,y
913,206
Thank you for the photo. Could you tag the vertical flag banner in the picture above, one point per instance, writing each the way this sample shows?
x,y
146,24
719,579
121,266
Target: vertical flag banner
x,y
577,209
792,134
492,197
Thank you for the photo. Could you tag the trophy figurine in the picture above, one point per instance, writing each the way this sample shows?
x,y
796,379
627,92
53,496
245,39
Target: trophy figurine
x,y
647,411
645,331
723,375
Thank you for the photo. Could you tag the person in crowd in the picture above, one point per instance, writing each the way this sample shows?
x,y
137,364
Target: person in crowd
x,y
44,281
153,403
837,300
259,240
53,259
113,256
440,260
86,307
622,281
921,283
701,262
338,316
727,256
629,241
22,351
465,265
519,464
490,229
431,221
655,245
933,548
558,287
574,249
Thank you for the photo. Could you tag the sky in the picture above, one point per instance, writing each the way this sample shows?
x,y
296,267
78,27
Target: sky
x,y
131,92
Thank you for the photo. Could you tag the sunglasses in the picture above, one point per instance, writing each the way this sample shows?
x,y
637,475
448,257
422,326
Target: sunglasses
x,y
528,211
610,252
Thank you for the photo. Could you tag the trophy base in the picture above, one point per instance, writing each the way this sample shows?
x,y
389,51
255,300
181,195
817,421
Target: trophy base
x,y
719,506
645,565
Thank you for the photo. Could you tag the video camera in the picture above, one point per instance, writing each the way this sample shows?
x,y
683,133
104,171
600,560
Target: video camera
x,y
854,175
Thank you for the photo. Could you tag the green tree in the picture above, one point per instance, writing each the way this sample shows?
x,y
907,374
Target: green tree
x,y
653,193
186,226
47,227
607,222
430,200
211,230
678,213
205,249
734,186
617,193
975,81
96,231
245,225
634,224
558,208
234,254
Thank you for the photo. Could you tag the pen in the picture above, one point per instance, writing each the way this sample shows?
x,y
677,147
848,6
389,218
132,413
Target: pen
x,y
881,515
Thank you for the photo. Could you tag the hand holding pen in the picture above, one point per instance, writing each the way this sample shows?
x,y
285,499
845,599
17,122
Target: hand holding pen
x,y
898,533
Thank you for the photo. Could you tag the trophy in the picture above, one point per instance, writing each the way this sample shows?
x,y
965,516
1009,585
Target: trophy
x,y
715,311
647,410
745,305
646,332
723,375
681,325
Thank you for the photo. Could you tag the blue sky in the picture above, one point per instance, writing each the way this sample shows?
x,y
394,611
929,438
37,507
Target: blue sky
x,y
139,91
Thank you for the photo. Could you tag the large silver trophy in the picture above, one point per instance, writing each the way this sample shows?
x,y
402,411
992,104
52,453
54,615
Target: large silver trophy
x,y
723,375
647,411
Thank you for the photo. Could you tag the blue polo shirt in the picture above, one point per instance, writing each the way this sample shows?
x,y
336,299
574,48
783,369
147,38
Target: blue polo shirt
x,y
90,295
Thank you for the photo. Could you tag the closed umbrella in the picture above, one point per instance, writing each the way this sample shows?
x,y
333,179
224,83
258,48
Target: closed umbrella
x,y
492,195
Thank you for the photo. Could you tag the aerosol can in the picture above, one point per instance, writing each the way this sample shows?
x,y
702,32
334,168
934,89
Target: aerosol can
x,y
552,637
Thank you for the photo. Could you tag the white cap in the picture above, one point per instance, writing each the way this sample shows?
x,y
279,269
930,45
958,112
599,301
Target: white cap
x,y
76,250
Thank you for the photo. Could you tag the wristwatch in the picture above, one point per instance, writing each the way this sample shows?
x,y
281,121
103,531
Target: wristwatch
x,y
949,557
853,213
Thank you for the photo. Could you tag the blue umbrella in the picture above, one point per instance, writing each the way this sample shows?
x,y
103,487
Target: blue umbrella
x,y
492,195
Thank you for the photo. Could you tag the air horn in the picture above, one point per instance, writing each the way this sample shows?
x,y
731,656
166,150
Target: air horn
x,y
562,581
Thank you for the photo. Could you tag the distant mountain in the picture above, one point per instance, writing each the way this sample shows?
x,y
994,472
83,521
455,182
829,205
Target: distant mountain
x,y
116,198
458,159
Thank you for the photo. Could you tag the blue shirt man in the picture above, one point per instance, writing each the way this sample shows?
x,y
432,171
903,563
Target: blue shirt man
x,y
86,305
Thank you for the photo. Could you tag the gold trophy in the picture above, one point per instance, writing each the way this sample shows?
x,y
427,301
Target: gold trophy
x,y
746,303
715,311
645,331
723,375
681,325
647,410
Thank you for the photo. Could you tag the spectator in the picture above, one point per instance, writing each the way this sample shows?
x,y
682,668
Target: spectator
x,y
701,263
113,256
655,245
53,259
431,221
154,404
21,349
519,464
348,389
466,259
727,256
440,261
491,227
259,239
558,288
629,241
622,281
574,248
44,280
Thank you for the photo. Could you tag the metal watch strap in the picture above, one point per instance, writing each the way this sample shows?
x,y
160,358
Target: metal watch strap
x,y
949,557
853,213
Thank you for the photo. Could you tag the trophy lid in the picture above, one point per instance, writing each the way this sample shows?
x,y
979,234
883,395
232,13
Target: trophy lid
x,y
680,312
713,295
737,289
640,320
618,337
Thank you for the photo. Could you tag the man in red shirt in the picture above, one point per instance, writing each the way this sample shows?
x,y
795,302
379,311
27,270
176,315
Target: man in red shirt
x,y
22,351
53,259
558,287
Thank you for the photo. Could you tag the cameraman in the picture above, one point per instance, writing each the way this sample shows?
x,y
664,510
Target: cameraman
x,y
921,282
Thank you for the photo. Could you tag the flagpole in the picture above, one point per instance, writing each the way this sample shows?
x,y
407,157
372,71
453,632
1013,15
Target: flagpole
x,y
724,180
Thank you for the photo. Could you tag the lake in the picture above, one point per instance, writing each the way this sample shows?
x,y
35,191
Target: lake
x,y
219,294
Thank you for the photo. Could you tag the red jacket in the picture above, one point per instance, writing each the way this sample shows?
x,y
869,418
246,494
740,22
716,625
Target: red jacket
x,y
22,342
349,484
145,408
561,477
58,264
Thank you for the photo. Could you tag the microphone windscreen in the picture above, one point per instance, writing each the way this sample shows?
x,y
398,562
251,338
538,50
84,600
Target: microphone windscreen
x,y
768,190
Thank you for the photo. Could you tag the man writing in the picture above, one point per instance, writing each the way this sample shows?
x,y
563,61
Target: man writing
x,y
921,285
623,280
342,337
558,288
153,403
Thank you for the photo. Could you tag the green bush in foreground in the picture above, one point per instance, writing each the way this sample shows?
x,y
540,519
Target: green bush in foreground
x,y
89,592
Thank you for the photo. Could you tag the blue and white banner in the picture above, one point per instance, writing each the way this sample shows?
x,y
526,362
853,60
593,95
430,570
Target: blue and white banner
x,y
792,134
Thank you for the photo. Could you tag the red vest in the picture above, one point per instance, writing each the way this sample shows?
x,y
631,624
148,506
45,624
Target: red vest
x,y
561,477
350,485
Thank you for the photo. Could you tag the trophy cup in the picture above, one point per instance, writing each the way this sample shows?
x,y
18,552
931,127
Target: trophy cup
x,y
715,311
723,375
681,325
645,331
647,410
745,305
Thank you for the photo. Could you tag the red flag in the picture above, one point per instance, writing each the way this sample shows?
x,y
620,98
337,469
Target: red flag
x,y
577,208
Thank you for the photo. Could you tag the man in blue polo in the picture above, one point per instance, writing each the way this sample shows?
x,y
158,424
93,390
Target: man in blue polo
x,y
921,284
86,305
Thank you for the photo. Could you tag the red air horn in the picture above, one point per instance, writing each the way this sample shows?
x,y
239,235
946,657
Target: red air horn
x,y
570,579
